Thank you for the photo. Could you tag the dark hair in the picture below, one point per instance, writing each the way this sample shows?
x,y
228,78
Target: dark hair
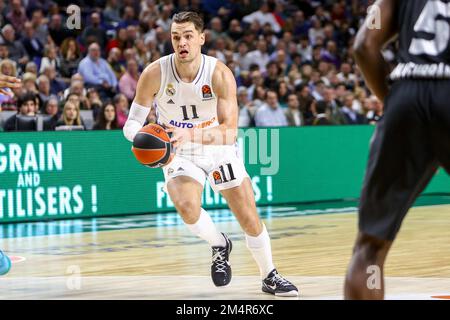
x,y
321,106
101,120
189,16
24,98
268,91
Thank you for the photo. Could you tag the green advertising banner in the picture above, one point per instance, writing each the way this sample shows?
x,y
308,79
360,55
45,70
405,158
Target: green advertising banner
x,y
57,175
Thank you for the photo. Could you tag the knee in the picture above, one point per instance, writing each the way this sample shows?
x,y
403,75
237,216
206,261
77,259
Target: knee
x,y
188,209
370,249
252,226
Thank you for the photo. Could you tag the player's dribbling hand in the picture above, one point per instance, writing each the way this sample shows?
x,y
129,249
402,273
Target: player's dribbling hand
x,y
179,135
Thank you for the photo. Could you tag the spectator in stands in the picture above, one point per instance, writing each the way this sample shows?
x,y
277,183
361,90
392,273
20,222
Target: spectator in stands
x,y
128,82
4,52
75,78
271,78
241,56
246,109
70,57
115,63
29,82
122,107
336,116
235,30
70,116
39,23
260,56
375,112
293,114
346,75
164,20
128,18
8,68
78,100
283,93
94,32
15,48
50,59
97,72
305,49
305,100
257,80
106,119
44,89
51,109
57,31
321,113
31,67
111,14
95,102
56,86
31,42
143,54
16,15
263,16
27,107
270,114
352,117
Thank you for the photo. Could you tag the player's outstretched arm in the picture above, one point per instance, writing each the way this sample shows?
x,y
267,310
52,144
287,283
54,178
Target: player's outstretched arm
x,y
9,82
147,87
369,43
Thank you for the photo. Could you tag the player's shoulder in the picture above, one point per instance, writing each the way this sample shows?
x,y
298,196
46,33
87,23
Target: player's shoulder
x,y
221,67
222,72
151,75
153,68
223,79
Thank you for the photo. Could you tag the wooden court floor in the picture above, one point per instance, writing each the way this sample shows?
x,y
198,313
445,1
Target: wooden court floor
x,y
155,257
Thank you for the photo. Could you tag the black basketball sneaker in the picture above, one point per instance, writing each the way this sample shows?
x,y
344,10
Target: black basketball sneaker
x,y
275,284
220,267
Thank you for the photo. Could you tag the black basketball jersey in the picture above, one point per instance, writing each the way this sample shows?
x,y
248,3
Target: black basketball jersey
x,y
424,38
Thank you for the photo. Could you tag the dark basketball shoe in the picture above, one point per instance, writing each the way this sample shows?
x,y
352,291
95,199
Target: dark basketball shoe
x,y
275,284
220,268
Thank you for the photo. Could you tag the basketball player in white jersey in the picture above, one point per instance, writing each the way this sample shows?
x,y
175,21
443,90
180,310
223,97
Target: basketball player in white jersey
x,y
195,97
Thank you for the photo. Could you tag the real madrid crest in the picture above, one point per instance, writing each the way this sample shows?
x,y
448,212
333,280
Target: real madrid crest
x,y
170,90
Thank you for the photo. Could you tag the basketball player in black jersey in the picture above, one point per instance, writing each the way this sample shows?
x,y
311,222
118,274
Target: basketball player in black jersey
x,y
413,137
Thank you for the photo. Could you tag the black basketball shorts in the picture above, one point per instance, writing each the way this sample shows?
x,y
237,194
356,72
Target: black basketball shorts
x,y
410,142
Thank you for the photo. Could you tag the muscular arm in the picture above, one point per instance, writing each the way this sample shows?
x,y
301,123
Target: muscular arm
x,y
368,46
147,87
224,86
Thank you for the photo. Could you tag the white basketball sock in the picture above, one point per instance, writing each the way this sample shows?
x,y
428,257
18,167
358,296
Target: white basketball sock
x,y
205,229
261,251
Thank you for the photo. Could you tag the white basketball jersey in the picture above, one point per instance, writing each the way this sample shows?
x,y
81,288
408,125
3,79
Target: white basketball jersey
x,y
183,104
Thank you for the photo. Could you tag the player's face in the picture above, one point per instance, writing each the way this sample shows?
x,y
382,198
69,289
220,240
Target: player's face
x,y
186,41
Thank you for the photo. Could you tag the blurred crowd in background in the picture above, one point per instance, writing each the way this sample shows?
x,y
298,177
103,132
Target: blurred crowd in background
x,y
292,60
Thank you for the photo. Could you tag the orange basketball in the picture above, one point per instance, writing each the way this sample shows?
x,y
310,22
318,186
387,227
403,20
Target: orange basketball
x,y
152,147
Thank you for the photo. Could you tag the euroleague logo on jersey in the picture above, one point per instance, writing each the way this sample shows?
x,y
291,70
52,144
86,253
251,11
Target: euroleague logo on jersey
x,y
217,177
206,91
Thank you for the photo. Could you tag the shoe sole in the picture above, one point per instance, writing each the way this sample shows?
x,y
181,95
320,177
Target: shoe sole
x,y
292,293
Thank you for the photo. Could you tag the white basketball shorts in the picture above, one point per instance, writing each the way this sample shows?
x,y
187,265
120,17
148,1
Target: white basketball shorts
x,y
222,165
